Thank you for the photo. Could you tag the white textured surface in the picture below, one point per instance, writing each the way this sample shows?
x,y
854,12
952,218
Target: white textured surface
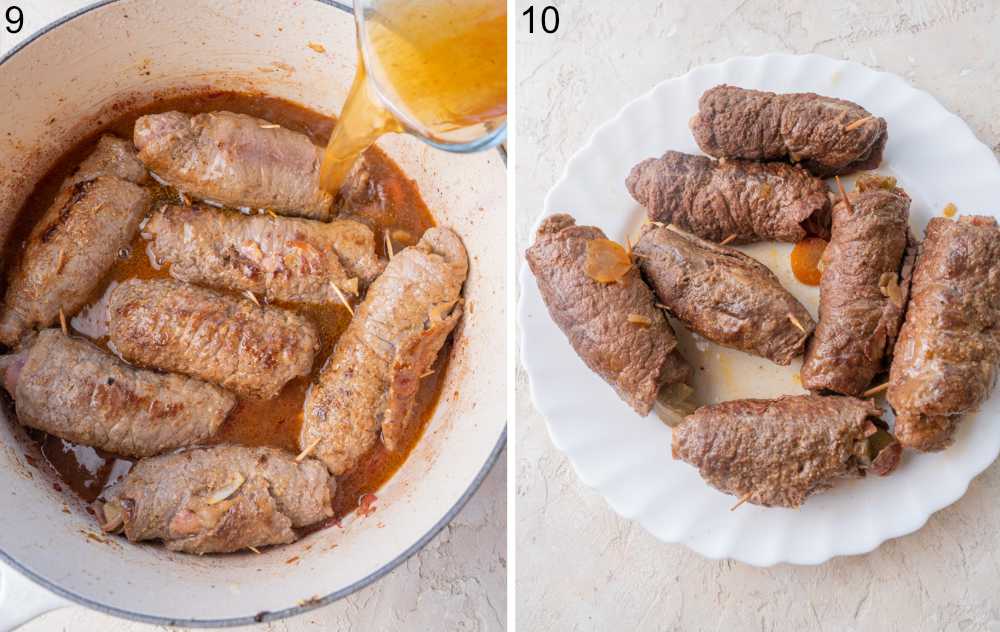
x,y
457,582
943,577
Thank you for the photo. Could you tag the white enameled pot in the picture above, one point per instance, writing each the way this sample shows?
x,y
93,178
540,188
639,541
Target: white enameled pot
x,y
57,87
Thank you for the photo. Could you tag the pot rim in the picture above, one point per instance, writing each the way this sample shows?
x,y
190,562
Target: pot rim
x,y
260,617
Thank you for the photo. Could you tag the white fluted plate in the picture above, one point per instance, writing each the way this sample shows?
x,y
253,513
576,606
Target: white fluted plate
x,y
933,155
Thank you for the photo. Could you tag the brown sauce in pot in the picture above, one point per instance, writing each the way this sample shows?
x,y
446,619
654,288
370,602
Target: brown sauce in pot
x,y
389,203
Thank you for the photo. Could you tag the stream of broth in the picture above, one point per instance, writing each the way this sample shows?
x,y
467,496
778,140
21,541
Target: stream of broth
x,y
443,63
385,199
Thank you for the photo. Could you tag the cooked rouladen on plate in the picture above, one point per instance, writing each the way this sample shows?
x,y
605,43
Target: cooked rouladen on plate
x,y
220,499
771,151
598,299
735,201
235,160
946,357
863,290
278,258
722,294
370,381
827,136
251,349
69,388
777,452
76,241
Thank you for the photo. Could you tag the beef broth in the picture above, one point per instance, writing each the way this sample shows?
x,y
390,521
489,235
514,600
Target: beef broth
x,y
381,196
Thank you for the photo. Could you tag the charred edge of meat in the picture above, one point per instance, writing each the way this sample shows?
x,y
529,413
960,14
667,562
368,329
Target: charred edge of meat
x,y
77,191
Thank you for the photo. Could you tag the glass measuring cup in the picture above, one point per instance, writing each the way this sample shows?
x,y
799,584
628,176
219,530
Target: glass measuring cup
x,y
435,69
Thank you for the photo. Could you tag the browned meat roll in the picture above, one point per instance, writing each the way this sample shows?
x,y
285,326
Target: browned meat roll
x,y
863,290
733,200
827,136
281,259
612,322
777,452
112,156
220,499
235,160
75,243
71,389
371,379
251,349
945,362
722,294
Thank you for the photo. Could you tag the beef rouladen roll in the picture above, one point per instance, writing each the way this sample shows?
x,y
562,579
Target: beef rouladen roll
x,y
279,258
75,243
235,160
370,381
113,157
735,200
220,499
723,294
827,136
73,390
946,357
863,289
777,452
599,300
251,349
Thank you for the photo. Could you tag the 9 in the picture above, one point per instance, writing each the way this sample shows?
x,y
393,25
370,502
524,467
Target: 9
x,y
15,19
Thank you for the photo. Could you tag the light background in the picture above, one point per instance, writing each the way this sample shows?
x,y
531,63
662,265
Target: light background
x,y
579,565
457,582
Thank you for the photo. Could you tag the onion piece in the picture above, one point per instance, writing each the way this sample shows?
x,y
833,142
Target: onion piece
x,y
881,452
873,182
351,285
639,319
114,517
226,490
888,284
673,403
607,261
